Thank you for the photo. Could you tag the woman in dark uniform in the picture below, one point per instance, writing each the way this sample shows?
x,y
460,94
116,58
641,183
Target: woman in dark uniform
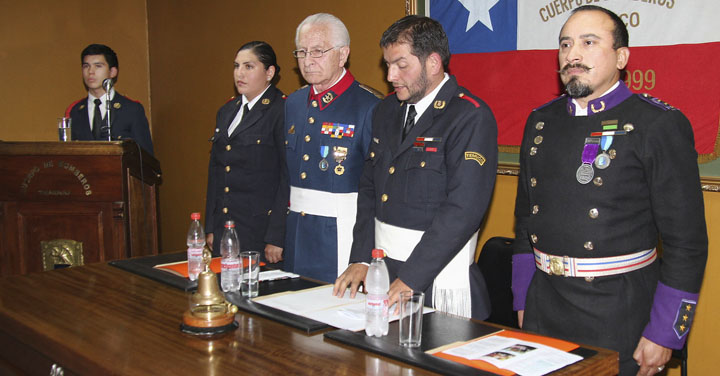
x,y
247,175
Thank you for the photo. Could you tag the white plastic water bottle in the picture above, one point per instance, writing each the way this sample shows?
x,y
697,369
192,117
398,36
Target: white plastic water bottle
x,y
377,284
195,243
230,262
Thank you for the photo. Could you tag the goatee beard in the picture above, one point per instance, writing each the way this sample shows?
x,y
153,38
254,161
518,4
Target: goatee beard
x,y
576,89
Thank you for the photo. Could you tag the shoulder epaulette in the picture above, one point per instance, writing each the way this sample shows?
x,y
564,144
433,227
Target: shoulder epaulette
x,y
372,91
132,100
656,102
230,99
549,103
70,107
469,99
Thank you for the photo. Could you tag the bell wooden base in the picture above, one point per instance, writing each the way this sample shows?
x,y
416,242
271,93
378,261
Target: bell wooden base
x,y
198,322
199,326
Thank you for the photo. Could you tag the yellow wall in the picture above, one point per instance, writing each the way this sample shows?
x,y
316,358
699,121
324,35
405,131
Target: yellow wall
x,y
499,220
40,45
703,359
192,51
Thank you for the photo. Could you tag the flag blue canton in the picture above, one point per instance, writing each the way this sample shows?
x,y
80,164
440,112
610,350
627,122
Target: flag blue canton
x,y
453,16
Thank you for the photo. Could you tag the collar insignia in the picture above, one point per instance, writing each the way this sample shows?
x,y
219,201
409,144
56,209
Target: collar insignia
x,y
327,98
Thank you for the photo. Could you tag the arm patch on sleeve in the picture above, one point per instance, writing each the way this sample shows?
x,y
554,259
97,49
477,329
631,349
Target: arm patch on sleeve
x,y
475,156
684,317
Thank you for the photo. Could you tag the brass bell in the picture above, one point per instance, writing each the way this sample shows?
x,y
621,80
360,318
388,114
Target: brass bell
x,y
208,292
209,312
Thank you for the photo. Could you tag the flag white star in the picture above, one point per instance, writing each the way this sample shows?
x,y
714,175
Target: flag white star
x,y
479,12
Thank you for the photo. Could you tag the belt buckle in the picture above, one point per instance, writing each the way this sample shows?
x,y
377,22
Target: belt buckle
x,y
557,267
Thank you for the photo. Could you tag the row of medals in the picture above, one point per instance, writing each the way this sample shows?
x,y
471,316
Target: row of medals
x,y
339,154
585,172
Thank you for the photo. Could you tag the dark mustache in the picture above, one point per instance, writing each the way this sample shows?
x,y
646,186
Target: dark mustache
x,y
572,66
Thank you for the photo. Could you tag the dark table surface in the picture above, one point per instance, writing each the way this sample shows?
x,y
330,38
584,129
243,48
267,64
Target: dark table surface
x,y
100,319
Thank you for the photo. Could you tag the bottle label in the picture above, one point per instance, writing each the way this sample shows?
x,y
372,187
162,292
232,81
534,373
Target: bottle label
x,y
377,302
229,264
195,252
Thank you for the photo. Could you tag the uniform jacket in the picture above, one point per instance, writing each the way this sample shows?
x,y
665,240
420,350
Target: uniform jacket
x,y
247,174
650,189
127,120
438,180
337,118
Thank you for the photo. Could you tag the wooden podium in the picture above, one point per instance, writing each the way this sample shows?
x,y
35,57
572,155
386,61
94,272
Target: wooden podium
x,y
69,203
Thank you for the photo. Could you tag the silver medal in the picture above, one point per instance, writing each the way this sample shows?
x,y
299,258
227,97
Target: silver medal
x,y
585,173
324,165
602,161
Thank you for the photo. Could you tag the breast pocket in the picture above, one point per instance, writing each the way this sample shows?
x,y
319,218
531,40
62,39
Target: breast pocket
x,y
256,150
425,178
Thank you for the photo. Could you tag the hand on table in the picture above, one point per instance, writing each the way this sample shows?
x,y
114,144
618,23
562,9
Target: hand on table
x,y
273,253
352,276
396,288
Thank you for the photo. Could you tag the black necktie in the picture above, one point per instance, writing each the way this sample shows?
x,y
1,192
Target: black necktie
x,y
243,116
97,120
246,109
409,121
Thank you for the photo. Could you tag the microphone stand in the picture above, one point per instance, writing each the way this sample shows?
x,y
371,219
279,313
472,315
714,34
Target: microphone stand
x,y
107,84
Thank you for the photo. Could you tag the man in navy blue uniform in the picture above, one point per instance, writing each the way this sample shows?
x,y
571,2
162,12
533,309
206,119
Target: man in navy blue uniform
x,y
327,130
127,116
428,179
604,173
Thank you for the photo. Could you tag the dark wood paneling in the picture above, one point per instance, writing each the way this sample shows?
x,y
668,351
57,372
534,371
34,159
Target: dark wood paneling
x,y
99,193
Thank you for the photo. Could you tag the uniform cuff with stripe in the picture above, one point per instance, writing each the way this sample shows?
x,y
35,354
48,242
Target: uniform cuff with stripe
x,y
523,268
671,316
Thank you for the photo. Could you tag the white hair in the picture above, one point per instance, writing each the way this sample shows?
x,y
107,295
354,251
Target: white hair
x,y
339,35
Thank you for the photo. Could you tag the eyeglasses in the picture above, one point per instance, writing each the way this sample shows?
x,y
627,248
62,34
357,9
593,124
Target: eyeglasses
x,y
301,54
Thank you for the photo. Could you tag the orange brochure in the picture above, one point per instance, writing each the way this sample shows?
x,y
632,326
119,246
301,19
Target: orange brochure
x,y
180,268
485,366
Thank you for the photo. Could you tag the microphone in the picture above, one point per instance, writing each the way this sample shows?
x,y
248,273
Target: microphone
x,y
107,84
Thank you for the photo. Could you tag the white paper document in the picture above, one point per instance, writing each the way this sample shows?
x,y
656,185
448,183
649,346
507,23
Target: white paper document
x,y
271,275
319,304
522,357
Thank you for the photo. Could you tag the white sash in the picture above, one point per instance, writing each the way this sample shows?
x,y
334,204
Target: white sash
x,y
341,206
451,288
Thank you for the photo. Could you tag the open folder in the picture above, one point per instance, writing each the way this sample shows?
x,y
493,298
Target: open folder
x,y
509,353
319,304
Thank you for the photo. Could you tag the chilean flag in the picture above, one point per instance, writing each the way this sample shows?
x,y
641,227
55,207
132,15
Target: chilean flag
x,y
505,52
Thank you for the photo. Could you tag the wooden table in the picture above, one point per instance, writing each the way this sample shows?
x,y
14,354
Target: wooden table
x,y
100,320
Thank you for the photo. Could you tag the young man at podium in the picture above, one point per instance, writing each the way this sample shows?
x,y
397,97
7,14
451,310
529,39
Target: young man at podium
x,y
89,115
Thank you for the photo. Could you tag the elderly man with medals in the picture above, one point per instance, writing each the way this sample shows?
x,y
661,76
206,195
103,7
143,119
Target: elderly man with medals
x,y
327,130
428,179
605,174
